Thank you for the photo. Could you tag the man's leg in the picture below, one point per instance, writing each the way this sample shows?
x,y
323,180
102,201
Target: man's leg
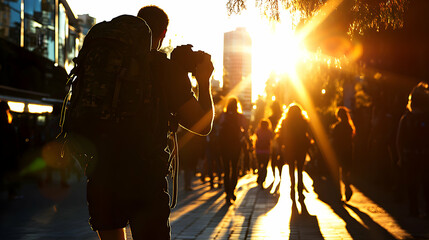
x,y
150,216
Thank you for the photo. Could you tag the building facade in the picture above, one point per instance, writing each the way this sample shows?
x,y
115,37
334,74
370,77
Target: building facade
x,y
237,62
38,40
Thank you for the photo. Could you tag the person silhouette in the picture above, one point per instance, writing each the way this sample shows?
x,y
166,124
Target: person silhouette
x,y
212,153
232,125
413,147
127,172
264,136
8,151
274,118
343,132
294,141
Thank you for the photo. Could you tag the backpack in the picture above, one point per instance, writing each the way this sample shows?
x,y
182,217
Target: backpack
x,y
112,91
114,94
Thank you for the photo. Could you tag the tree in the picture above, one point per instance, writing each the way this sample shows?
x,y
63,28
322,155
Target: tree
x,y
350,16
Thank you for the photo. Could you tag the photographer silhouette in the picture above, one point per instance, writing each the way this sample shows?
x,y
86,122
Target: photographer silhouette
x,y
128,184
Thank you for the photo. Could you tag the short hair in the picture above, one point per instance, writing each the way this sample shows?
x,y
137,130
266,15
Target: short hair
x,y
233,105
264,124
156,18
419,98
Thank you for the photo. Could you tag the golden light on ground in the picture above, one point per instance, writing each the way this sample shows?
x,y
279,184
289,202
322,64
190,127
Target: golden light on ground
x,y
277,222
257,214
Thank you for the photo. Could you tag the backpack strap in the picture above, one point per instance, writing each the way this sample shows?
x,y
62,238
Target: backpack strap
x,y
173,125
173,162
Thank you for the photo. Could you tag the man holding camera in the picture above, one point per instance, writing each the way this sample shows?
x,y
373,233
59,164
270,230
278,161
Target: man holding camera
x,y
144,204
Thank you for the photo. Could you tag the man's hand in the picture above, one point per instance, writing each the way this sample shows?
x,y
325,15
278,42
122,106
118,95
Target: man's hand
x,y
204,70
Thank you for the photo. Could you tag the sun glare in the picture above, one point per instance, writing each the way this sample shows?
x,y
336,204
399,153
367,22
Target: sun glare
x,y
275,49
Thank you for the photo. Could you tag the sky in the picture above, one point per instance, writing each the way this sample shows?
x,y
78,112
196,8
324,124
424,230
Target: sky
x,y
201,23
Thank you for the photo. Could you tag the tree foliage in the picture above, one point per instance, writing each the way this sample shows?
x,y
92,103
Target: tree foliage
x,y
358,15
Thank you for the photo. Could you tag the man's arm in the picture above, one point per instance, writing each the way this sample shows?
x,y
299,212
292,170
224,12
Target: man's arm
x,y
197,115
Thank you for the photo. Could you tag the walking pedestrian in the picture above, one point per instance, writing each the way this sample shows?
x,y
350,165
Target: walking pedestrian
x,y
413,146
294,140
232,124
264,136
276,160
343,132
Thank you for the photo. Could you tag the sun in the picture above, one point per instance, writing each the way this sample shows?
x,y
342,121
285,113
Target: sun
x,y
276,48
287,51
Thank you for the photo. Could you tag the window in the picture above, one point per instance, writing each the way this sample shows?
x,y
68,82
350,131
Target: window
x,y
62,18
10,20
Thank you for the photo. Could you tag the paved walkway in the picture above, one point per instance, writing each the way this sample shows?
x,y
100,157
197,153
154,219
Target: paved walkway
x,y
52,212
259,214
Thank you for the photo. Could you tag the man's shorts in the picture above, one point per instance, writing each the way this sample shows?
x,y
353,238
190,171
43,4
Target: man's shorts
x,y
114,204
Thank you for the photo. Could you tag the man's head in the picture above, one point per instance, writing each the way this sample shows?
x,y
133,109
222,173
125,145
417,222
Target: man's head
x,y
157,20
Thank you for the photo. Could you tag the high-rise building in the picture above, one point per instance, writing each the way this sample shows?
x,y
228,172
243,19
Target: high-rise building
x,y
237,63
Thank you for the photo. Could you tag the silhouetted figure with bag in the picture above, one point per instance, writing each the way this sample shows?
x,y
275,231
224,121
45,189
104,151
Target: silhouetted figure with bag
x,y
413,147
213,155
8,152
264,136
127,102
232,125
276,160
294,140
342,135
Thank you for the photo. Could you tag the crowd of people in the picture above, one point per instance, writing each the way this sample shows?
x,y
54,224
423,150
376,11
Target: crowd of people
x,y
285,137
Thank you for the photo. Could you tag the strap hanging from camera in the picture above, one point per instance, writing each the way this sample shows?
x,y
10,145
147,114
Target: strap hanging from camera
x,y
173,160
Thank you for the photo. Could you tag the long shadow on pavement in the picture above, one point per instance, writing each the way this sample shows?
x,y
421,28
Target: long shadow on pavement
x,y
197,216
252,208
303,225
395,203
372,230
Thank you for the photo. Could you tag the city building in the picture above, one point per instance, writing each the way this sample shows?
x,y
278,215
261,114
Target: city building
x,y
237,62
38,40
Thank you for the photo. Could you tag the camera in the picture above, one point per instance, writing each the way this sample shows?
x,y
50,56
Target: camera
x,y
185,56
